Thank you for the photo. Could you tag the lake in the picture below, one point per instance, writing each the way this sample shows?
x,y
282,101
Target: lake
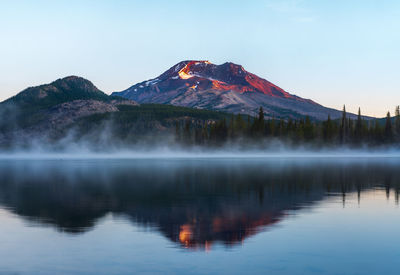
x,y
197,216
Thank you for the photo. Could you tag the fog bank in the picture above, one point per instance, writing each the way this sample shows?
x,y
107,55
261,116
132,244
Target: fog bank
x,y
179,152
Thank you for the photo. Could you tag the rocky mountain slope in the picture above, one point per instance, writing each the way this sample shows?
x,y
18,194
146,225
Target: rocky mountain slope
x,y
227,87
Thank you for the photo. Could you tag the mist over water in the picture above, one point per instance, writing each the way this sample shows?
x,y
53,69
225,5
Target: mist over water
x,y
175,151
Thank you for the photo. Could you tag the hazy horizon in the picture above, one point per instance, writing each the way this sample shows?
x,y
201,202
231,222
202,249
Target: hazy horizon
x,y
333,53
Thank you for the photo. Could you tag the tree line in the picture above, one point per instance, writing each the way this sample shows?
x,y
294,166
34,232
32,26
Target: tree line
x,y
343,131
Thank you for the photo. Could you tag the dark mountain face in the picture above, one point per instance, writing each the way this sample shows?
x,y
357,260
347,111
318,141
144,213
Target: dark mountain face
x,y
227,87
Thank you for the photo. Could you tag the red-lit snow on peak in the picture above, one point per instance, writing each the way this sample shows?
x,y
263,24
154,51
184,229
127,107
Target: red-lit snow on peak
x,y
228,76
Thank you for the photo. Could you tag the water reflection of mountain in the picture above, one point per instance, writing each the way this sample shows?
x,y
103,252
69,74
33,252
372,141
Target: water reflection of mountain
x,y
194,203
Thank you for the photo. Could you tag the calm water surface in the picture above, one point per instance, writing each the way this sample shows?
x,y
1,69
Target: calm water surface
x,y
261,216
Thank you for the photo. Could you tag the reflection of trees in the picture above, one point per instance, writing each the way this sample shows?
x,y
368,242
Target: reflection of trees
x,y
192,203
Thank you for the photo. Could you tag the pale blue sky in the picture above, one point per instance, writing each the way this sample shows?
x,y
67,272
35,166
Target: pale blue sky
x,y
334,52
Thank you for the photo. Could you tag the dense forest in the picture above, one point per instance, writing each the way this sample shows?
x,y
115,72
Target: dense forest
x,y
344,131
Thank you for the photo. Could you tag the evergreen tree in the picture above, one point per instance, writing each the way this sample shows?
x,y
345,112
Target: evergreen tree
x,y
231,128
258,126
240,125
388,128
198,137
261,122
328,130
308,130
349,130
248,126
187,135
359,127
213,134
261,115
281,129
397,122
343,126
219,132
204,133
299,134
272,127
377,132
290,126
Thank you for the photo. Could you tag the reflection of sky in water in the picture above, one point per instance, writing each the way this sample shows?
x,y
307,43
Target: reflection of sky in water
x,y
314,231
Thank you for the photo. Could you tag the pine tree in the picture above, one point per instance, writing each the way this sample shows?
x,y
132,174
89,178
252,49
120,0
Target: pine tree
x,y
248,126
377,132
261,115
308,129
358,128
240,125
327,130
281,128
204,133
343,126
220,131
272,127
299,131
198,137
290,128
397,122
231,128
213,133
388,128
261,122
349,128
187,135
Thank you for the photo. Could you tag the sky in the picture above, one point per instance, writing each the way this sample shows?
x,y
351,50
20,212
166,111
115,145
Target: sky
x,y
334,52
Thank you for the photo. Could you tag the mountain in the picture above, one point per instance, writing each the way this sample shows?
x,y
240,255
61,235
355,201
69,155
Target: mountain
x,y
62,90
58,103
227,87
73,107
